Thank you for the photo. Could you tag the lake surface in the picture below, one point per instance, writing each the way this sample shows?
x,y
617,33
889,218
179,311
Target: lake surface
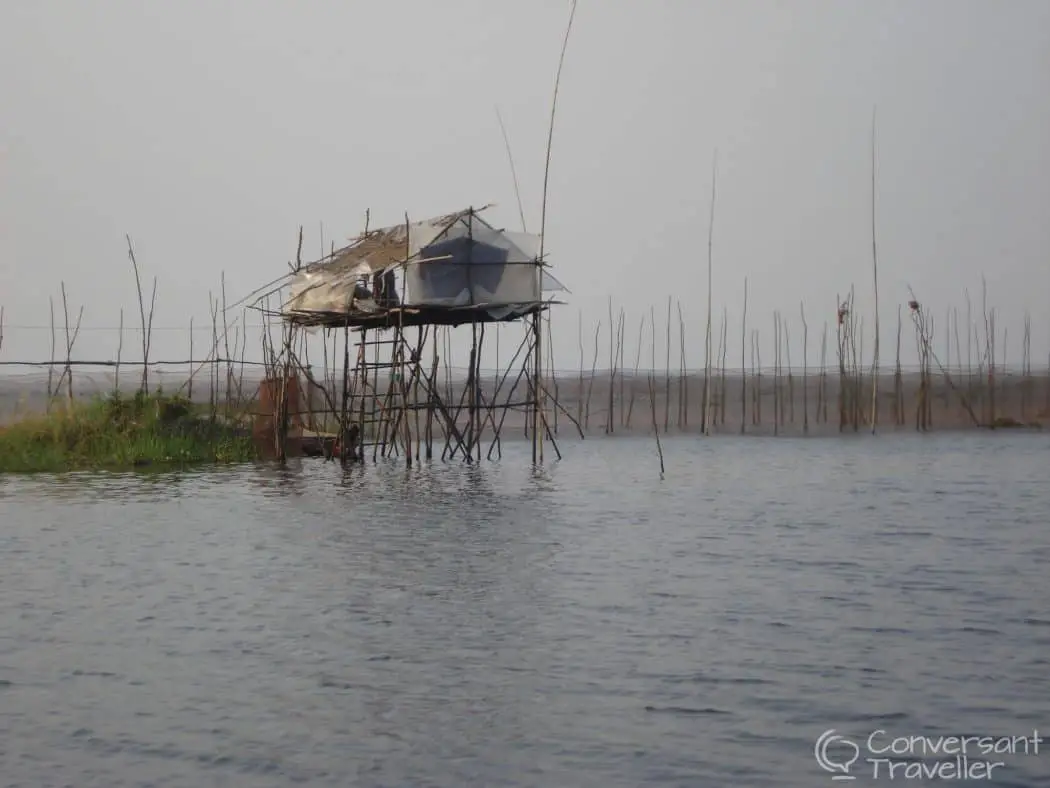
x,y
585,625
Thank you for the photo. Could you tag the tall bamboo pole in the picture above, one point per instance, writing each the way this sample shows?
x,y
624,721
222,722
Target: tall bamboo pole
x,y
667,371
875,280
776,373
590,384
612,371
683,402
634,377
898,381
743,362
537,414
824,373
620,364
790,373
710,255
805,368
758,384
120,350
147,325
754,379
725,349
579,389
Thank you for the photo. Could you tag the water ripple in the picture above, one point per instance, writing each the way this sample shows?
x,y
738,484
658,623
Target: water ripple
x,y
587,624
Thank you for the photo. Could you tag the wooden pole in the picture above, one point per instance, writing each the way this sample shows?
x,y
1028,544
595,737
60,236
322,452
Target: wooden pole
x,y
537,440
51,367
417,359
612,372
758,385
226,344
790,374
1026,365
875,279
620,365
725,350
667,371
634,377
120,349
898,380
69,346
579,389
656,428
590,383
472,391
743,362
710,257
805,369
777,405
824,373
754,379
683,418
147,325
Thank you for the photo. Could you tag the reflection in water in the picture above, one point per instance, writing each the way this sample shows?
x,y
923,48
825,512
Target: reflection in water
x,y
581,624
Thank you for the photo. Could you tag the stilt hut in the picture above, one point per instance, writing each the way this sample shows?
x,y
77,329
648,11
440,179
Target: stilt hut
x,y
387,293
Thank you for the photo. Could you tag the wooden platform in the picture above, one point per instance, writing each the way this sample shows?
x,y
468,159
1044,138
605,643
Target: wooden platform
x,y
409,316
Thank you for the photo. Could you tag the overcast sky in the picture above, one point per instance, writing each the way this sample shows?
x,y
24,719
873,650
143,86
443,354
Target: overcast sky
x,y
211,131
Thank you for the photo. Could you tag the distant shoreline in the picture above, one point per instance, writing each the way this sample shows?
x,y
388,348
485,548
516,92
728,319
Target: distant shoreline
x,y
1018,399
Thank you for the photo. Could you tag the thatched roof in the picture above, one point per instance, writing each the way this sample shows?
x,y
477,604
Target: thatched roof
x,y
377,250
462,238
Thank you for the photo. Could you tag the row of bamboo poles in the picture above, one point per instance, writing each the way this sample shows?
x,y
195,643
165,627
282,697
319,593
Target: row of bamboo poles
x,y
224,360
406,405
413,408
837,391
980,383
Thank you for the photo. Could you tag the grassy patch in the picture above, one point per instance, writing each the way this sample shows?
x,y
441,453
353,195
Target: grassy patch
x,y
121,432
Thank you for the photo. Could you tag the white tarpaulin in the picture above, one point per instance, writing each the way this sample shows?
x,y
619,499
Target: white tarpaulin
x,y
452,260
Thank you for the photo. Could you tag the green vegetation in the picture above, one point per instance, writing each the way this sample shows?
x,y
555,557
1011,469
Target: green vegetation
x,y
121,432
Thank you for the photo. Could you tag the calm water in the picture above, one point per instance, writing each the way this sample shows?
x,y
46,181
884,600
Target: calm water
x,y
587,625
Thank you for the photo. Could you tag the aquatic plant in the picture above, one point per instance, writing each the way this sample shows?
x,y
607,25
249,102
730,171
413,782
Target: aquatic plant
x,y
120,431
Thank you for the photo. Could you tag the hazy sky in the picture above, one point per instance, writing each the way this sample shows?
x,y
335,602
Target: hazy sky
x,y
211,131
